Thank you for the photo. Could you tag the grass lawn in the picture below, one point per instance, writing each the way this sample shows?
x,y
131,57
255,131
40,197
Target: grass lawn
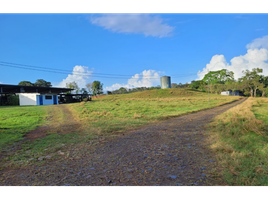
x,y
240,139
115,113
16,121
103,117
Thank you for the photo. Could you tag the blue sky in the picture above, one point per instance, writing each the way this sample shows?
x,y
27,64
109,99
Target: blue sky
x,y
141,46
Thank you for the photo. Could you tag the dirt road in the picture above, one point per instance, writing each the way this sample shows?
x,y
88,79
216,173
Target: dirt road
x,y
173,152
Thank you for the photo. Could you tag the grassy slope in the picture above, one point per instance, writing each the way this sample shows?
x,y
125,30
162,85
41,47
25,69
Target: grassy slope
x,y
240,138
120,112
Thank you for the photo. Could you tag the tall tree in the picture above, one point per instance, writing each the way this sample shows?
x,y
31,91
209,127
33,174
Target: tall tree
x,y
97,88
220,76
26,83
42,83
256,84
263,89
89,87
84,91
73,85
250,80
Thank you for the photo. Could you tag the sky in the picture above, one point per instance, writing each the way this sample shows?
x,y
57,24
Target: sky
x,y
129,50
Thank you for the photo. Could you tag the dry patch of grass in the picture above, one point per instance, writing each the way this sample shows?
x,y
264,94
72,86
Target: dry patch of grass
x,y
240,140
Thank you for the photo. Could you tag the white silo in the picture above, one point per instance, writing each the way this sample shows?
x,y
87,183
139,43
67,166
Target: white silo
x,y
165,82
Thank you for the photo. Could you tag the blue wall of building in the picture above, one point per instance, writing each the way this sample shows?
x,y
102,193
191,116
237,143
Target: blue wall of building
x,y
46,101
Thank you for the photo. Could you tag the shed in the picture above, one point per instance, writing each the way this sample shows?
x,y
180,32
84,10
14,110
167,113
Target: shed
x,y
229,92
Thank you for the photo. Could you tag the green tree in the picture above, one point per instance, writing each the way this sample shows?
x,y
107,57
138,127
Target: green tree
x,y
180,85
42,83
264,80
83,91
232,85
197,84
174,85
122,90
220,76
89,87
97,88
250,81
73,85
257,85
26,83
263,89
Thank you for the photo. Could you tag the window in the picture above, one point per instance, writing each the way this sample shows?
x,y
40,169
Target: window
x,y
48,97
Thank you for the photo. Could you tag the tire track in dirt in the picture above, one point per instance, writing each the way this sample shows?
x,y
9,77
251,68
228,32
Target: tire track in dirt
x,y
172,152
60,120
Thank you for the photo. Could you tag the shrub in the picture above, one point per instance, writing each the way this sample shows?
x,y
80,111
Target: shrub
x,y
12,100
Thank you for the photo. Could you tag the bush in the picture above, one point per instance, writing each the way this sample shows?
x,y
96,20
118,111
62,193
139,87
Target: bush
x,y
13,100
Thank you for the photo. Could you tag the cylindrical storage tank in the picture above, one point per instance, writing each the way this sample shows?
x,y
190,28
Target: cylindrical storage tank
x,y
165,82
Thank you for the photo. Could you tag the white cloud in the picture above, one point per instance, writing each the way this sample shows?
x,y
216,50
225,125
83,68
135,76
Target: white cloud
x,y
147,78
256,57
80,75
134,23
259,43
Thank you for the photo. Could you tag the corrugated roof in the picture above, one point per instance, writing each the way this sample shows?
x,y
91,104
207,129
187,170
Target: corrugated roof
x,y
7,89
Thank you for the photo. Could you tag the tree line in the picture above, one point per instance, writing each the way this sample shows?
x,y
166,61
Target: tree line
x,y
94,88
250,84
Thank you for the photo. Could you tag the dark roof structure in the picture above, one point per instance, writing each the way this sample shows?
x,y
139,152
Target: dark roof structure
x,y
12,89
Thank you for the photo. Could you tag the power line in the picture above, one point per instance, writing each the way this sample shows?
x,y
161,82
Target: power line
x,y
60,72
74,73
77,72
100,75
60,69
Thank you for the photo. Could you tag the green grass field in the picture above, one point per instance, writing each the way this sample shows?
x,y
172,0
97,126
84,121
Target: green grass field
x,y
239,138
121,112
16,121
106,116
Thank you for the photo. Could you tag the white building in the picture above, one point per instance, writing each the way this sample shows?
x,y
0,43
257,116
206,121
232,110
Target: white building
x,y
235,93
32,95
226,93
27,99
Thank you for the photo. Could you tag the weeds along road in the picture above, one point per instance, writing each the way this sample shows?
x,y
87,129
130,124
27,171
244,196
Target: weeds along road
x,y
172,152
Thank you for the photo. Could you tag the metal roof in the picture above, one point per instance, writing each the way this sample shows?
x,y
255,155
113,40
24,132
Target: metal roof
x,y
7,89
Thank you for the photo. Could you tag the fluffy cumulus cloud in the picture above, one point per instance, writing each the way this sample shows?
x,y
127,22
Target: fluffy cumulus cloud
x,y
147,78
134,23
259,43
256,57
80,75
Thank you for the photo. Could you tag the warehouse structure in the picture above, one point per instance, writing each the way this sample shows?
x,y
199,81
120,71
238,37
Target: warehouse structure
x,y
32,95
